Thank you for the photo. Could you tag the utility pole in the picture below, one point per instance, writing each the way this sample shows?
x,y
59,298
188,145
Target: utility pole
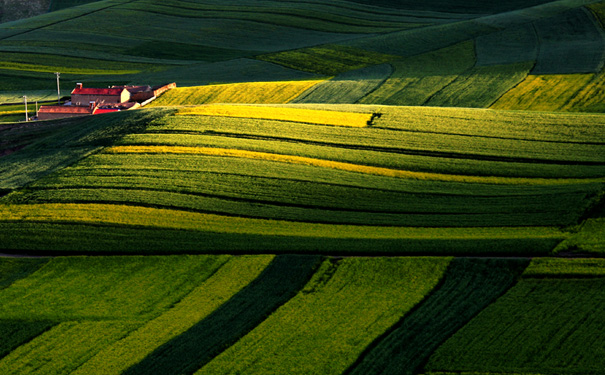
x,y
58,88
26,115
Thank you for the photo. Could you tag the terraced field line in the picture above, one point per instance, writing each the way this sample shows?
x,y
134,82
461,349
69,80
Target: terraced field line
x,y
378,171
307,116
122,216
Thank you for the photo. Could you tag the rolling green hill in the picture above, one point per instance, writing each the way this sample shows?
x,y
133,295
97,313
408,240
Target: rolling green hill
x,y
335,187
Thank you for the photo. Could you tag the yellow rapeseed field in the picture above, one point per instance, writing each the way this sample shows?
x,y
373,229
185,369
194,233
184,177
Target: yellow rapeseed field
x,y
379,171
311,116
247,92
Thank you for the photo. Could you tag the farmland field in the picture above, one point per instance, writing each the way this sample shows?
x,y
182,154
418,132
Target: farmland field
x,y
334,187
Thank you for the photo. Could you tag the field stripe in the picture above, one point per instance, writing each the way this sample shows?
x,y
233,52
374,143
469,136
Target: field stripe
x,y
231,278
468,287
120,215
279,282
322,330
308,116
379,171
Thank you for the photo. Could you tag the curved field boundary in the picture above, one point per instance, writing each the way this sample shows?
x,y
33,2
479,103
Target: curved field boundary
x,y
230,279
416,79
469,285
572,42
277,284
248,92
308,116
348,87
544,326
379,171
335,316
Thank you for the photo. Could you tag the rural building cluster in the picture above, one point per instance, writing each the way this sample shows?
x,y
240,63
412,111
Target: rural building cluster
x,y
94,101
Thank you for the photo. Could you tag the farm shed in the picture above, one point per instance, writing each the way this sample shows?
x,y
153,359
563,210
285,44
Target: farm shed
x,y
82,95
51,112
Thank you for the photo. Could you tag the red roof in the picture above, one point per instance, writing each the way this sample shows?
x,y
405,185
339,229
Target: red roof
x,y
91,91
100,111
64,109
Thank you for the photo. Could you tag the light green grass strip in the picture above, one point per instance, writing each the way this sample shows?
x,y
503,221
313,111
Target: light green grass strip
x,y
229,279
334,318
120,215
555,267
65,347
74,288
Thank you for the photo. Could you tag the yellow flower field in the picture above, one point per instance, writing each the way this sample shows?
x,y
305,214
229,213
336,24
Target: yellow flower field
x,y
311,116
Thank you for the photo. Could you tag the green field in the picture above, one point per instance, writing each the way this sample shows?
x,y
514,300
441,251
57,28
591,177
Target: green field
x,y
334,187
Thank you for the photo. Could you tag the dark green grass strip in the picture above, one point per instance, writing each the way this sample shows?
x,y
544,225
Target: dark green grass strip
x,y
468,287
81,239
13,269
15,333
185,354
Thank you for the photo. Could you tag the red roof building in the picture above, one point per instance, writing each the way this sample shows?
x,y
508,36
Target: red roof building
x,y
83,96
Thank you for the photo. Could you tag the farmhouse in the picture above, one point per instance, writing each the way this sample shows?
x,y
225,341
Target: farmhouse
x,y
84,95
93,101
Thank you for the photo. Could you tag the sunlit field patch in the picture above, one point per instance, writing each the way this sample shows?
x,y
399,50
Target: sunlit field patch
x,y
335,118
